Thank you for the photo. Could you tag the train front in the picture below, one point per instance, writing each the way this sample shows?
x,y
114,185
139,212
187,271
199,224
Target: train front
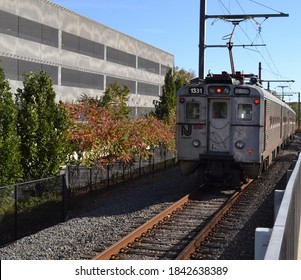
x,y
219,129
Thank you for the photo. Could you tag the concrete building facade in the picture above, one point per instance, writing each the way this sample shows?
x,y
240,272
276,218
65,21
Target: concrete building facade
x,y
79,54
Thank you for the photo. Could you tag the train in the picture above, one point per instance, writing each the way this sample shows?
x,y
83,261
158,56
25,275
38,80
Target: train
x,y
229,128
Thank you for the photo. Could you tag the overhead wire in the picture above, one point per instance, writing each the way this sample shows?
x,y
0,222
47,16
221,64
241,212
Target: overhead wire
x,y
260,4
258,36
236,36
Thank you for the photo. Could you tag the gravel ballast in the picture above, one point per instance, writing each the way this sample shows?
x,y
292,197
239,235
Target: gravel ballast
x,y
112,215
103,222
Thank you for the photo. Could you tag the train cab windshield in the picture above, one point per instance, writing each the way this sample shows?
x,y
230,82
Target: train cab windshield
x,y
219,110
192,110
245,112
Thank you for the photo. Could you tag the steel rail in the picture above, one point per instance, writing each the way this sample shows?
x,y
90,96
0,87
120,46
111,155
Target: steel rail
x,y
196,242
116,247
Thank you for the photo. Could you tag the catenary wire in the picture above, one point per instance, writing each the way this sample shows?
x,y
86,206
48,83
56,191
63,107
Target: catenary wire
x,y
272,67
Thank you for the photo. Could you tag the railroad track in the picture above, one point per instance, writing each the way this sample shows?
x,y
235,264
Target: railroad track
x,y
179,231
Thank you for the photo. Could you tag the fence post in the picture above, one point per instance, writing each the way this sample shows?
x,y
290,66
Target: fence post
x,y
165,157
90,180
108,172
153,161
68,177
150,163
140,166
65,183
123,171
16,212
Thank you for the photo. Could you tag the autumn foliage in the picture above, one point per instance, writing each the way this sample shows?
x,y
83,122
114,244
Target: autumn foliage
x,y
99,136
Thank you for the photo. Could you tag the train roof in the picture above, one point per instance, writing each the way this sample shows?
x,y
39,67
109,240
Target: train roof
x,y
226,78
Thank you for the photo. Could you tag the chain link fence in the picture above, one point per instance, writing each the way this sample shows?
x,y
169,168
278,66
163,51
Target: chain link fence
x,y
81,179
28,207
31,206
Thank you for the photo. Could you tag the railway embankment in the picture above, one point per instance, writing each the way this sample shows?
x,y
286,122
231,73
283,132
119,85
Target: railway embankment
x,y
101,223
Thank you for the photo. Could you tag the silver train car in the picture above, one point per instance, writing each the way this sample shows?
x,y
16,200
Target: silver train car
x,y
229,128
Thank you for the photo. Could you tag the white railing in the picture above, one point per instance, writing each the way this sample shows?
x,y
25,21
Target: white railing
x,y
283,241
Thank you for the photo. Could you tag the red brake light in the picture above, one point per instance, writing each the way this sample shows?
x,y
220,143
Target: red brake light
x,y
182,100
256,101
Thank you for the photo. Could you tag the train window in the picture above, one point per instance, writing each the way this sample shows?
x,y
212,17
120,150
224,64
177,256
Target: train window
x,y
192,110
219,110
244,112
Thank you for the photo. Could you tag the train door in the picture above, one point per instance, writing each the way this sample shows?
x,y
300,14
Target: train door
x,y
219,125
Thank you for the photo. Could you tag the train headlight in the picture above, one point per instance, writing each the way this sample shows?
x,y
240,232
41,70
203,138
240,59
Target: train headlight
x,y
219,90
240,145
196,143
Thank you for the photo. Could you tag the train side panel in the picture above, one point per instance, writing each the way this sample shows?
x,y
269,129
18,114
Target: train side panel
x,y
279,127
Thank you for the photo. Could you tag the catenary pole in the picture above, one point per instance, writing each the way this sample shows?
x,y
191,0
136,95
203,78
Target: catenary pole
x,y
203,17
202,38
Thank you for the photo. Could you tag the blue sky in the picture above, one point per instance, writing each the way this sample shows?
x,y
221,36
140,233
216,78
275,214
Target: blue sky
x,y
173,26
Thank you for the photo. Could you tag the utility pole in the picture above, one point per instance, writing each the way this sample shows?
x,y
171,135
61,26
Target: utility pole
x,y
202,38
202,30
282,91
259,72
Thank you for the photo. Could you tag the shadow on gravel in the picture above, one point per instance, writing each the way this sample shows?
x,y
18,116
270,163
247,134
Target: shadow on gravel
x,y
164,187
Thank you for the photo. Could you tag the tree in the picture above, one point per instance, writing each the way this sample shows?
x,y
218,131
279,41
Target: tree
x,y
42,126
115,98
10,167
85,98
182,77
167,103
174,79
105,138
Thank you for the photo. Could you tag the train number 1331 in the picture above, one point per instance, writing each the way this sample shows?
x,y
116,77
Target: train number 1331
x,y
195,90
